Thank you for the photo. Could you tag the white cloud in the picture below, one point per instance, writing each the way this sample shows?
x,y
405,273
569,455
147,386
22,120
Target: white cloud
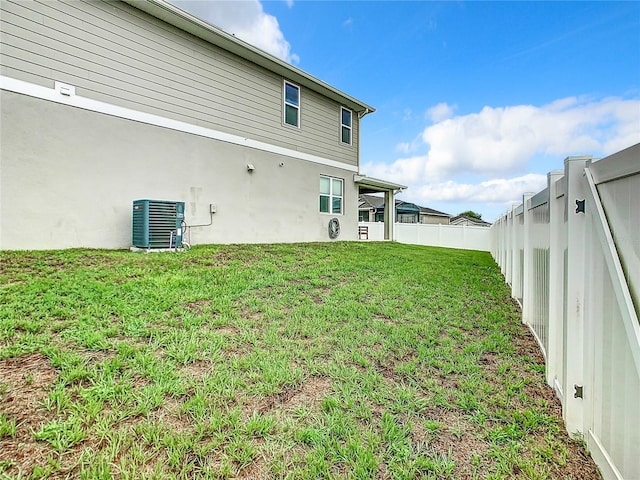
x,y
409,147
440,112
403,147
504,140
501,191
246,20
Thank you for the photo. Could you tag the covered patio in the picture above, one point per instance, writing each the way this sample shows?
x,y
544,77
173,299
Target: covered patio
x,y
368,185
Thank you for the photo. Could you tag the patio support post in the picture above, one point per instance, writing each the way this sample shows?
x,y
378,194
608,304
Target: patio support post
x,y
574,315
389,214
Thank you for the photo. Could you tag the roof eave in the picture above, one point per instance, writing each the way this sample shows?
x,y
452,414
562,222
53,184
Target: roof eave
x,y
363,180
173,15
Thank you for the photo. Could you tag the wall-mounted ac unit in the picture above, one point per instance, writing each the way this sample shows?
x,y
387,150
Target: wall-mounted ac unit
x,y
157,224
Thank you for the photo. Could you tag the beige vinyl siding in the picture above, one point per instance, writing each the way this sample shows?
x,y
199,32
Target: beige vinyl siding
x,y
117,54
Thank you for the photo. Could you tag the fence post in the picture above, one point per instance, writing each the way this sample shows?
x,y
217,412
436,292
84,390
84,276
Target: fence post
x,y
505,247
556,285
508,225
515,257
573,411
527,281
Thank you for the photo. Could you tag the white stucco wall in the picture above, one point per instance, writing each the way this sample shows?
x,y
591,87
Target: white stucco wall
x,y
68,177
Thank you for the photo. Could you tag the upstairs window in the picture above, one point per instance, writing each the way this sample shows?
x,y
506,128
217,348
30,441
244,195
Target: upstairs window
x,y
345,125
330,195
291,104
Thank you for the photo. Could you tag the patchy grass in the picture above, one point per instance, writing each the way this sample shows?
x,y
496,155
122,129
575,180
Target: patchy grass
x,y
341,360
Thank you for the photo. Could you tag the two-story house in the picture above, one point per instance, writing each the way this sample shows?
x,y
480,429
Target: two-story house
x,y
106,102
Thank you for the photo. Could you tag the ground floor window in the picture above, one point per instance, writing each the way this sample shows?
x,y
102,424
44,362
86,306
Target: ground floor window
x,y
331,193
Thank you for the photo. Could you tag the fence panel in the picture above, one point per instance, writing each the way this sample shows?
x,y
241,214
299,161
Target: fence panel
x,y
614,390
613,325
621,202
558,258
539,235
449,236
518,255
571,254
375,230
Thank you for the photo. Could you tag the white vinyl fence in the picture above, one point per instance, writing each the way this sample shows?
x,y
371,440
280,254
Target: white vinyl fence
x,y
450,236
571,254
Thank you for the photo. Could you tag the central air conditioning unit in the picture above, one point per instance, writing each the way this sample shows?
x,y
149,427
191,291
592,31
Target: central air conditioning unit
x,y
157,224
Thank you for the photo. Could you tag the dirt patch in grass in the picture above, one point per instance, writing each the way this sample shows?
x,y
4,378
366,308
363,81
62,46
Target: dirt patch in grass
x,y
97,356
251,314
229,330
318,294
257,470
489,360
315,298
578,463
386,319
457,438
216,260
24,383
196,369
170,414
309,395
198,306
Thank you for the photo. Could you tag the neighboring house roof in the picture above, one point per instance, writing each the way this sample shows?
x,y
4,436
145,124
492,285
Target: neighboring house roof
x,y
465,220
371,201
406,207
375,202
184,21
432,212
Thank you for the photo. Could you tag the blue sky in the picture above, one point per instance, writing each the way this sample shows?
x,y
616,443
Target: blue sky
x,y
476,101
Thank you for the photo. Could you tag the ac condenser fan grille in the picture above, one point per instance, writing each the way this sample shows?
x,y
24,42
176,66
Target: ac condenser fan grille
x,y
157,223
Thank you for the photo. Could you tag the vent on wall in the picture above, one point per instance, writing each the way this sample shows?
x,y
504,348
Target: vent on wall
x,y
157,224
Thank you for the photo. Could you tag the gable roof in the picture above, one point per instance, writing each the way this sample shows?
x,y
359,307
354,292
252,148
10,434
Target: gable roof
x,y
432,212
173,15
470,220
371,201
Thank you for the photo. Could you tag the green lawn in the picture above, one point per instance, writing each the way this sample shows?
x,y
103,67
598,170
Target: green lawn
x,y
337,360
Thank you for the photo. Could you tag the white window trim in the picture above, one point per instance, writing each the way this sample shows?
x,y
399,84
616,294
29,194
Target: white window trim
x,y
332,196
342,125
284,104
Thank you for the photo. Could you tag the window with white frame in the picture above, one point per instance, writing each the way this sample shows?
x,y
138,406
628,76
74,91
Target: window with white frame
x,y
291,104
345,125
331,193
